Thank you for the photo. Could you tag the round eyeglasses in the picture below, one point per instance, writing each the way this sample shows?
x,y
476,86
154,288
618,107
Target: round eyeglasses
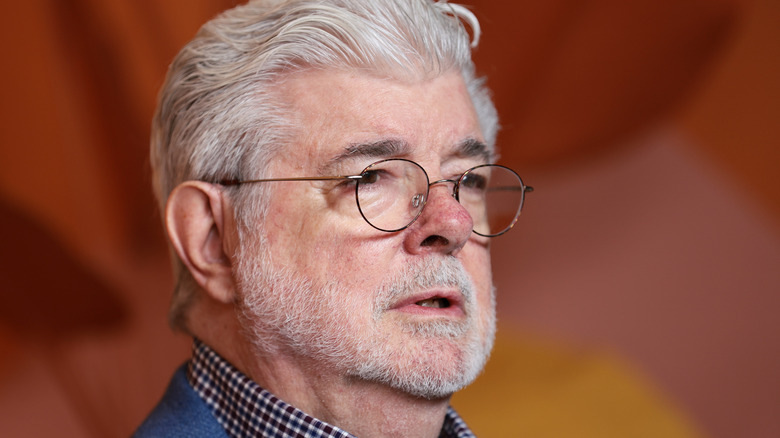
x,y
392,193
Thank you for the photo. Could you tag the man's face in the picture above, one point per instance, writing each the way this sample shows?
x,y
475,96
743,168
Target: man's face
x,y
413,309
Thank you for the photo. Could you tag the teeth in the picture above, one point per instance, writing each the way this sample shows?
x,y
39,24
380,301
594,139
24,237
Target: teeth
x,y
438,303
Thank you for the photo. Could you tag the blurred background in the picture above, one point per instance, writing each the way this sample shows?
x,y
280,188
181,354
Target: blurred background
x,y
648,128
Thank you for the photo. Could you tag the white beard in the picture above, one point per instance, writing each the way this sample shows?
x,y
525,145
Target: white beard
x,y
333,326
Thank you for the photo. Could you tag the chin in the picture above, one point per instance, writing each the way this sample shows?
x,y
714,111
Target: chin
x,y
428,367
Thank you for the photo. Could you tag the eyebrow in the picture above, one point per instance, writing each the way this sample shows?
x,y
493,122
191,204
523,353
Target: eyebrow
x,y
382,148
378,149
468,148
471,147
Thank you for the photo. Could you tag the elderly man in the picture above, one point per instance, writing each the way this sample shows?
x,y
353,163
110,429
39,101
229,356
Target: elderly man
x,y
324,168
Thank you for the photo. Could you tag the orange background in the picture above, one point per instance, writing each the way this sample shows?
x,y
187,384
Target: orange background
x,y
648,128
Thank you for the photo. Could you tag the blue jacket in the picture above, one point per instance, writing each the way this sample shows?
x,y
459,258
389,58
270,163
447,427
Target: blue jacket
x,y
180,413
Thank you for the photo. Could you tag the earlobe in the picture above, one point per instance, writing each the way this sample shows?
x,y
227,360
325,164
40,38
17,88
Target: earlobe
x,y
195,221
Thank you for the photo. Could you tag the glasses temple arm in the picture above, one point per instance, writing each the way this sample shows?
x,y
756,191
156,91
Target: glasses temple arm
x,y
236,182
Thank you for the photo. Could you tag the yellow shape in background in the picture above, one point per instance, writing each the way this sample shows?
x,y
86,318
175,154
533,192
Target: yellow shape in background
x,y
531,388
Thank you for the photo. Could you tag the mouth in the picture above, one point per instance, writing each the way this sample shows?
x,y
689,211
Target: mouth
x,y
436,303
433,303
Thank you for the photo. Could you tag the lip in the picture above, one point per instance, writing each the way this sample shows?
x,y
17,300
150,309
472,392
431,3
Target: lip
x,y
454,310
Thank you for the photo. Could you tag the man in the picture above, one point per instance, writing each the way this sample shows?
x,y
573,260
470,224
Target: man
x,y
324,172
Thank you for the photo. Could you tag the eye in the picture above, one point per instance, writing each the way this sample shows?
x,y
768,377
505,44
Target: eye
x,y
474,181
371,176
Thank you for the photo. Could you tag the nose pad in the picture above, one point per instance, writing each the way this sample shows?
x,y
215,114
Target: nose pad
x,y
418,200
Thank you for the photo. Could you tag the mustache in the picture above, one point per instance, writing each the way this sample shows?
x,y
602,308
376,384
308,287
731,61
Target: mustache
x,y
425,274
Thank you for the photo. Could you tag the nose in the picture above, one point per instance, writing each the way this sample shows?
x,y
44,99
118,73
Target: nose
x,y
444,225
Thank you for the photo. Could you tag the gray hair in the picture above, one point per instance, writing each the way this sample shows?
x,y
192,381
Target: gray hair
x,y
218,118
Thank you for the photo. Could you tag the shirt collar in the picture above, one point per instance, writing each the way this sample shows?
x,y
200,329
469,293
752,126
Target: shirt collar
x,y
243,408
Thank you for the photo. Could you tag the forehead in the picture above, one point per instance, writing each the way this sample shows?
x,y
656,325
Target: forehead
x,y
341,116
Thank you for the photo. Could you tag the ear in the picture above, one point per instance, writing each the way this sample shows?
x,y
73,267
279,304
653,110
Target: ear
x,y
199,223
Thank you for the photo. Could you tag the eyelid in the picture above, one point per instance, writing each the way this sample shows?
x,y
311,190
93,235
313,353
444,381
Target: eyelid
x,y
462,163
347,166
455,171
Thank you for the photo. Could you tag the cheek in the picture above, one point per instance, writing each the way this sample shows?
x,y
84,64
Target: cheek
x,y
298,235
331,251
358,263
476,260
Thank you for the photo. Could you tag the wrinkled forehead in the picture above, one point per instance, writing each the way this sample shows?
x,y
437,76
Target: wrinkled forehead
x,y
347,116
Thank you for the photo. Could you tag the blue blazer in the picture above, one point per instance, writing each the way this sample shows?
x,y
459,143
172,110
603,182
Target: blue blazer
x,y
181,413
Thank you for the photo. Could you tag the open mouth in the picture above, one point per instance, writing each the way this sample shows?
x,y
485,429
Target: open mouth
x,y
433,304
436,303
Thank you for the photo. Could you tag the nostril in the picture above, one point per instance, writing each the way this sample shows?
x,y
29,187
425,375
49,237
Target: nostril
x,y
435,240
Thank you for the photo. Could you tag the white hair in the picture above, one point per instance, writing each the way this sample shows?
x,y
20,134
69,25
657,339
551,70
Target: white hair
x,y
219,119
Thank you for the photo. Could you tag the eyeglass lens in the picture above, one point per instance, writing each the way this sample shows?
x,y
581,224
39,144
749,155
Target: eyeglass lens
x,y
392,193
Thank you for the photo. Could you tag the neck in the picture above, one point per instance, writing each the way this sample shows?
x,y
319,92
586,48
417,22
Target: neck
x,y
363,408
377,411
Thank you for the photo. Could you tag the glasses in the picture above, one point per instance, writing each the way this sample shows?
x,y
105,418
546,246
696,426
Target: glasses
x,y
391,194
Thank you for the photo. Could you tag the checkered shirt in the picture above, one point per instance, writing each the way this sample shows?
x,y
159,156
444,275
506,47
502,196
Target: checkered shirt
x,y
245,409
